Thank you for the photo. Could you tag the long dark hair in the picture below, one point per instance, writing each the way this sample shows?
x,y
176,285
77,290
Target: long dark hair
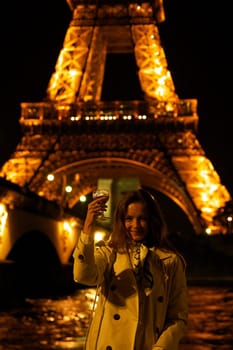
x,y
158,231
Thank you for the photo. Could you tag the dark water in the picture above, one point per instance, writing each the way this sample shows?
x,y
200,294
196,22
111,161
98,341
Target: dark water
x,y
61,323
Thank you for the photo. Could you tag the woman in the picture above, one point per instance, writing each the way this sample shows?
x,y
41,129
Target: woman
x,y
142,301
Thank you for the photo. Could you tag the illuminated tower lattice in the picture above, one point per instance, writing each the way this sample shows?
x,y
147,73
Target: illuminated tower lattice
x,y
78,137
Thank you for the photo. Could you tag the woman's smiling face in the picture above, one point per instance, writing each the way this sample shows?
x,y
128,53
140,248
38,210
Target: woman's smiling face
x,y
136,221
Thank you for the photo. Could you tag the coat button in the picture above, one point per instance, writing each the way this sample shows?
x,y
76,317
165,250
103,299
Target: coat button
x,y
108,347
116,317
81,257
160,298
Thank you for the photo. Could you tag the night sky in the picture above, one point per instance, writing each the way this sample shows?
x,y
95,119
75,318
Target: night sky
x,y
197,43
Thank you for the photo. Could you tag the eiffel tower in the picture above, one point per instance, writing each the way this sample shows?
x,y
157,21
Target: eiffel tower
x,y
79,137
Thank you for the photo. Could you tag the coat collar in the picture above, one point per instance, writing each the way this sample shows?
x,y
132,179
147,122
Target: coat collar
x,y
123,262
162,254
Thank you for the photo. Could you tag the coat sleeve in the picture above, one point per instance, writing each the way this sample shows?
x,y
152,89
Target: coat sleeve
x,y
177,311
90,263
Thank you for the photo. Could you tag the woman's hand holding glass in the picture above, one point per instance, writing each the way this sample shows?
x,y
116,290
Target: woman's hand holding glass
x,y
95,211
100,205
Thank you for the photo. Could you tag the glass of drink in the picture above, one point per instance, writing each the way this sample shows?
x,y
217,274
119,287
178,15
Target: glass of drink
x,y
101,192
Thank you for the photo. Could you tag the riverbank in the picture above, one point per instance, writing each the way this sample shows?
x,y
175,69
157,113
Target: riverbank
x,y
207,281
209,259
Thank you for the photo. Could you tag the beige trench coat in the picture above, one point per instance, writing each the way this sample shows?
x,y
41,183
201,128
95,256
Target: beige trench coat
x,y
122,320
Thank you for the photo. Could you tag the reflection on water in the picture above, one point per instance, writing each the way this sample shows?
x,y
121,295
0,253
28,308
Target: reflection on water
x,y
61,323
47,323
210,319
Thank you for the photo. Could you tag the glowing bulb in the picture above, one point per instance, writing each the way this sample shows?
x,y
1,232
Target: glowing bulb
x,y
50,177
83,198
99,235
68,189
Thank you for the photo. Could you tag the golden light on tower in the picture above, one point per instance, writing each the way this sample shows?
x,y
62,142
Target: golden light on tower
x,y
3,219
204,186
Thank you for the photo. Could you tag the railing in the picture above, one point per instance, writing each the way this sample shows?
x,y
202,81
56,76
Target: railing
x,y
106,110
